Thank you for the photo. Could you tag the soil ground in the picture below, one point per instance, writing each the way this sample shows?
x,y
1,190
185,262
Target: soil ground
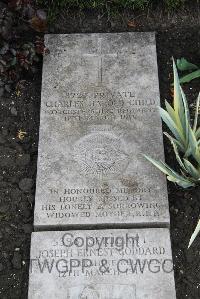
x,y
178,35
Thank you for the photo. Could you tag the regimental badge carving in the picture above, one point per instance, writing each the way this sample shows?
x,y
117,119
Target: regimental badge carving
x,y
89,292
101,155
102,291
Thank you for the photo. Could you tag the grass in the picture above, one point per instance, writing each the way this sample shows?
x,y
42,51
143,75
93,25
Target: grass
x,y
55,6
98,4
95,4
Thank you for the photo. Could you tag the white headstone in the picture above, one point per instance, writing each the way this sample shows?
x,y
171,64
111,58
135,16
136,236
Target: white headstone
x,y
101,264
98,117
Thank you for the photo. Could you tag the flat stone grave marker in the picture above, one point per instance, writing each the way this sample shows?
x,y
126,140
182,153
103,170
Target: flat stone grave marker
x,y
102,264
98,117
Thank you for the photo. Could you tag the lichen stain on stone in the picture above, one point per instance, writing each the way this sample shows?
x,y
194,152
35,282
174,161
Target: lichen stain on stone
x,y
129,181
105,198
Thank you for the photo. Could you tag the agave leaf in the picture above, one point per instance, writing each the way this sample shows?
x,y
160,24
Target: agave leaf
x,y
170,110
160,165
165,168
195,233
184,65
172,175
172,126
196,113
186,116
185,184
183,173
178,104
178,158
178,144
197,154
188,152
182,183
197,133
190,77
191,169
172,179
194,145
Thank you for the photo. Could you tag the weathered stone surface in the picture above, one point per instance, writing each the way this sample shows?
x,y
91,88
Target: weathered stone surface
x,y
98,117
104,264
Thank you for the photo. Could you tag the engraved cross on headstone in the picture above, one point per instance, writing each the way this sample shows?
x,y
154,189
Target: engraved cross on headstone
x,y
100,56
127,54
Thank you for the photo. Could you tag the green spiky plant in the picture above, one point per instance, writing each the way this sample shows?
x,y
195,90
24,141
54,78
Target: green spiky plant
x,y
185,139
185,66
